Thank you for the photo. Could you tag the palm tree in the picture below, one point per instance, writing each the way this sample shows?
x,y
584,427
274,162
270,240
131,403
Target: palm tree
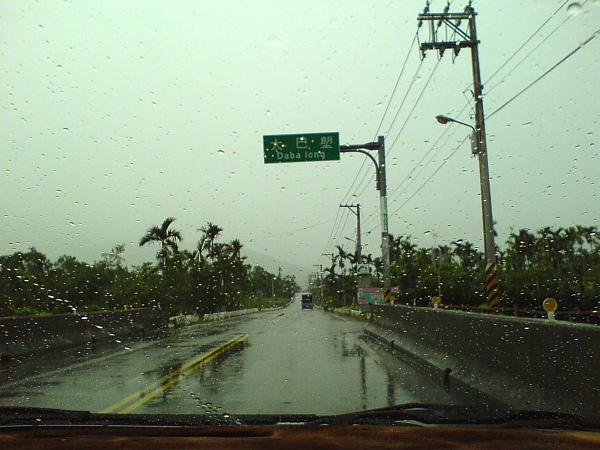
x,y
466,253
211,232
166,236
219,251
341,257
236,249
550,245
590,237
521,249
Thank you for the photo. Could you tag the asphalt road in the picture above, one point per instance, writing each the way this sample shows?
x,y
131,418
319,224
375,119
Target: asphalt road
x,y
284,361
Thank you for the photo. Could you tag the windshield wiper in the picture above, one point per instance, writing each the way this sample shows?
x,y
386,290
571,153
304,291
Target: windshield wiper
x,y
33,416
410,414
428,414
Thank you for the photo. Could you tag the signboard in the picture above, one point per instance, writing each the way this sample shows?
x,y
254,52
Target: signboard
x,y
301,147
374,295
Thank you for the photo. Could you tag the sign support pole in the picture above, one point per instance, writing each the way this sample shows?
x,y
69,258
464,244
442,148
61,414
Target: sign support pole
x,y
383,206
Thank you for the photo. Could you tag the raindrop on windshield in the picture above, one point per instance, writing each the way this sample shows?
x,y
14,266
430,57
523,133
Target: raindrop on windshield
x,y
574,9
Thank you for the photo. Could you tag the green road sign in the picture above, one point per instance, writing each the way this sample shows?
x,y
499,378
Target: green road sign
x,y
301,147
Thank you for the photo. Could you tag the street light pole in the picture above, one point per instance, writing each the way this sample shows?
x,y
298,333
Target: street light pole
x,y
479,148
385,234
383,206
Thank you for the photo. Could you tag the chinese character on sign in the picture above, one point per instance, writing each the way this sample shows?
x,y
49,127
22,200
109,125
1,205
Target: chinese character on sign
x,y
277,145
301,142
326,141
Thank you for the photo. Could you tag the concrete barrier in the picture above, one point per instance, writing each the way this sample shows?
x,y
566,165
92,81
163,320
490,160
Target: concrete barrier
x,y
182,320
527,363
34,334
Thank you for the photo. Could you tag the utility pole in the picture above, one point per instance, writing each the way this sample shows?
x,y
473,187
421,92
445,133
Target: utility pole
x,y
320,266
455,38
330,255
358,251
382,188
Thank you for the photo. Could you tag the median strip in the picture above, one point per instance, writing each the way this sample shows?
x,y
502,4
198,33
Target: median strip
x,y
137,399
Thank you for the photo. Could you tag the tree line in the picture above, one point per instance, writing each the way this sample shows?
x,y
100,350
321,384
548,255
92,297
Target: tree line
x,y
563,263
211,278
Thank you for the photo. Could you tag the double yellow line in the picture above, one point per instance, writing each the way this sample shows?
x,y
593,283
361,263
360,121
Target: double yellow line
x,y
277,319
132,402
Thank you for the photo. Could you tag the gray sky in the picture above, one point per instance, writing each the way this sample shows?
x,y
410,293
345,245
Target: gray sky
x,y
116,115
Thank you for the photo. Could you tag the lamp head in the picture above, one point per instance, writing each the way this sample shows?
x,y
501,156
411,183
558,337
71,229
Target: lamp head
x,y
443,119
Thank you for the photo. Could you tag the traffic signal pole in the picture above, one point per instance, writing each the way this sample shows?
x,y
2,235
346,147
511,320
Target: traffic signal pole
x,y
383,206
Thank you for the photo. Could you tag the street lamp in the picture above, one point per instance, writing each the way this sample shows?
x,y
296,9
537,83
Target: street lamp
x,y
474,140
479,148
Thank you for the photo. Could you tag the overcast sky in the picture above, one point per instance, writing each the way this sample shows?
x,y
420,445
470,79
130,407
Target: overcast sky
x,y
116,115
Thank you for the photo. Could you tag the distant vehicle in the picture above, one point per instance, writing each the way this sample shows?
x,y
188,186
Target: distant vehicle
x,y
307,301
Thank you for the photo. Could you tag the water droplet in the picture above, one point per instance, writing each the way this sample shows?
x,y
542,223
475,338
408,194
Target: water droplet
x,y
574,8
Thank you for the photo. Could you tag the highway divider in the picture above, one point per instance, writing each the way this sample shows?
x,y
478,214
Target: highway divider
x,y
36,334
183,320
526,363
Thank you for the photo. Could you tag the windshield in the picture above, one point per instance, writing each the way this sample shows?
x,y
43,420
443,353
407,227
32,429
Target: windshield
x,y
301,207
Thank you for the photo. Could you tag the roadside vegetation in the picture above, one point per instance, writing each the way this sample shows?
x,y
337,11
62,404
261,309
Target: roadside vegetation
x,y
563,263
211,278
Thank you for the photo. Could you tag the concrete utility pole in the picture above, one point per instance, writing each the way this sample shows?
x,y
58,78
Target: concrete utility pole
x,y
358,251
455,38
383,206
320,266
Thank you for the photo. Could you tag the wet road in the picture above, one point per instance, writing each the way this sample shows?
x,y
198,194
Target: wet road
x,y
286,361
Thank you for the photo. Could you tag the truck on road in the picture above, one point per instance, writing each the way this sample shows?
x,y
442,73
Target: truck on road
x,y
307,301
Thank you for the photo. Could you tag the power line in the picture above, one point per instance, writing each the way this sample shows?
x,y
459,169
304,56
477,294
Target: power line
x,y
396,86
447,130
427,180
526,42
334,236
579,47
352,191
414,106
289,231
369,218
362,185
594,35
408,115
491,77
495,73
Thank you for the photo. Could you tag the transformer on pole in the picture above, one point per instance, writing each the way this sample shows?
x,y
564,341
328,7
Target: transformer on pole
x,y
453,32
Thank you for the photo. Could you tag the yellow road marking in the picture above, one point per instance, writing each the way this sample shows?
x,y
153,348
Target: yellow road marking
x,y
277,319
153,389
